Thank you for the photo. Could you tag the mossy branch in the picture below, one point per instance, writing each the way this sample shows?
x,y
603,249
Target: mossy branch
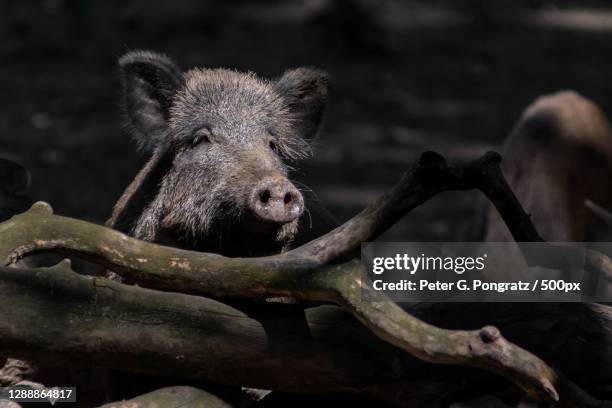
x,y
318,271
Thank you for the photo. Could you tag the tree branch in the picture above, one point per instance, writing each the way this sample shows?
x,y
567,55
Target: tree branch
x,y
313,271
55,316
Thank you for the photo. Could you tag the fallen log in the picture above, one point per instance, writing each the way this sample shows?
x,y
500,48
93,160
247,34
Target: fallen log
x,y
317,271
55,316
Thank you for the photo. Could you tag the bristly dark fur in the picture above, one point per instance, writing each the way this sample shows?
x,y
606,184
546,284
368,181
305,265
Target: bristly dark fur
x,y
193,194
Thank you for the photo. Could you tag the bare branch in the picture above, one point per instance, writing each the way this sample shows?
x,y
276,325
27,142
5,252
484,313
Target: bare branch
x,y
313,272
53,315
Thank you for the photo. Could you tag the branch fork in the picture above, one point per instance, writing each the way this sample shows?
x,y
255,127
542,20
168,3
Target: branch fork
x,y
321,270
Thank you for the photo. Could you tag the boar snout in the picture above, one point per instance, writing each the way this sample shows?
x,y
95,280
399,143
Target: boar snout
x,y
276,200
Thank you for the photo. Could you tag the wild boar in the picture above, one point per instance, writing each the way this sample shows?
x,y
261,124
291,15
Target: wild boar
x,y
558,156
221,144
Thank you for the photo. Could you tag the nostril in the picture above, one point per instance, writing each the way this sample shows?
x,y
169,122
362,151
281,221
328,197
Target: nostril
x,y
288,198
264,196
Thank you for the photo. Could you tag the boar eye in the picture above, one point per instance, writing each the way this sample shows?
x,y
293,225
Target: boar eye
x,y
274,147
201,135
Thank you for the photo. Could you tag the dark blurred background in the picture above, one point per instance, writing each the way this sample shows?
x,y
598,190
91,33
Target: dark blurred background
x,y
410,76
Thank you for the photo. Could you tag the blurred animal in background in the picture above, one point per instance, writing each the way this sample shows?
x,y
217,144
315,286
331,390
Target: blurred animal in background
x,y
558,162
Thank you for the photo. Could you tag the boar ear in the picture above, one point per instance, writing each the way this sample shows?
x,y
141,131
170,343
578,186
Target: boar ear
x,y
149,82
305,91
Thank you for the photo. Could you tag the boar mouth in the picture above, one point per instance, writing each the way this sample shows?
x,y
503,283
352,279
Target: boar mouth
x,y
255,225
227,228
254,236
